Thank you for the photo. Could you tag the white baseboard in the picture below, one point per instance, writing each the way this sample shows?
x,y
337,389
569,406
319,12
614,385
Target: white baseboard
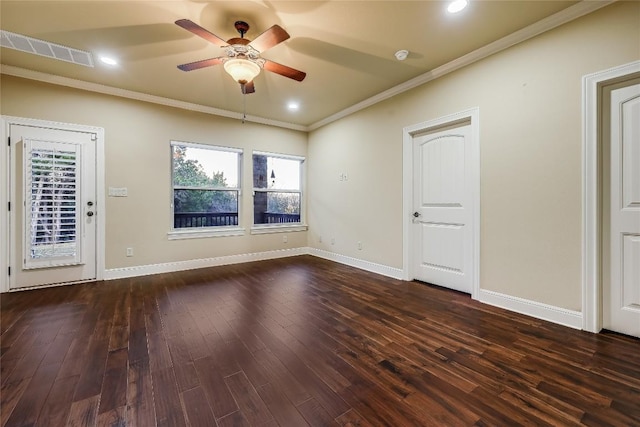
x,y
384,270
169,267
561,316
145,270
570,318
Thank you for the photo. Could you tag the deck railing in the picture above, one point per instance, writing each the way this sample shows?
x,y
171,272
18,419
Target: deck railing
x,y
204,219
279,218
218,219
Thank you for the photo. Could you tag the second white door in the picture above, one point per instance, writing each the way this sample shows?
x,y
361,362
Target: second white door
x,y
443,208
621,293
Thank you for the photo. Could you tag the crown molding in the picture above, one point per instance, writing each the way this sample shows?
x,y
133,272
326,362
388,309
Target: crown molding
x,y
569,14
139,96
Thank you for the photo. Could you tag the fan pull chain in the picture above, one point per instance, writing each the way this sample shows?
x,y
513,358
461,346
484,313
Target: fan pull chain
x,y
244,104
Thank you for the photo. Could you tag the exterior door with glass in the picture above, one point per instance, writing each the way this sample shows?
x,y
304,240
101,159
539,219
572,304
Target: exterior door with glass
x,y
53,206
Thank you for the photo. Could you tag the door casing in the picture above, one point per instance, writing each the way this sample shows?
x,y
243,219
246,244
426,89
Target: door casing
x,y
471,116
591,193
6,193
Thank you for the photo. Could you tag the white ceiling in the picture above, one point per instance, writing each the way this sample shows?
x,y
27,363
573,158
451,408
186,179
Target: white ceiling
x,y
345,47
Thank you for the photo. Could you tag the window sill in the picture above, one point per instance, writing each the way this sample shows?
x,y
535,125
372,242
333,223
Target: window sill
x,y
278,228
204,233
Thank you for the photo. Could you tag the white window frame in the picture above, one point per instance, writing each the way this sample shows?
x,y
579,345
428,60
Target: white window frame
x,y
203,232
284,227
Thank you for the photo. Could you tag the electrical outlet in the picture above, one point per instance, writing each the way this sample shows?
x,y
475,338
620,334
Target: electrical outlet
x,y
285,239
129,251
333,240
359,246
319,239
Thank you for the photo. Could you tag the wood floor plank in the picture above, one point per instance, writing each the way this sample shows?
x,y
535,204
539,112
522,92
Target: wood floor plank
x,y
140,404
331,401
235,419
281,378
84,412
250,403
166,399
197,408
56,408
34,396
284,412
352,418
220,398
159,356
112,418
299,341
92,374
75,358
114,385
315,415
183,366
58,349
11,395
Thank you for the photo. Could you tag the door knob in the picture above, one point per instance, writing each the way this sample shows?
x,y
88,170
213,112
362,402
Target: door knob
x,y
89,203
416,214
90,213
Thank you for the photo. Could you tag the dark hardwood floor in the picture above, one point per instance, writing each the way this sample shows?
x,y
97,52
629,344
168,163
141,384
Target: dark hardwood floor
x,y
295,342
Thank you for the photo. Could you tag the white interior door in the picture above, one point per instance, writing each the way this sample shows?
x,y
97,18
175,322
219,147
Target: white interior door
x,y
53,200
443,208
621,293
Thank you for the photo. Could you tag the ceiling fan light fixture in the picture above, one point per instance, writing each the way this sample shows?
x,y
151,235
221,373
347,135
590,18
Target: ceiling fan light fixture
x,y
241,70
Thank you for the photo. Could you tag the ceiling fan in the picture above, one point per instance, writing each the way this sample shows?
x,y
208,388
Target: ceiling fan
x,y
242,61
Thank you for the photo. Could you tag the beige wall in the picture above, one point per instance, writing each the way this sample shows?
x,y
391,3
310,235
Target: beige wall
x,y
137,156
529,98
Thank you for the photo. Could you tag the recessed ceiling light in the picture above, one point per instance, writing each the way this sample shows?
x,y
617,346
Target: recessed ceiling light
x,y
108,60
293,106
457,5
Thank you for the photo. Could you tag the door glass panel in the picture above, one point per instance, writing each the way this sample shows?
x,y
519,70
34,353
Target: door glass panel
x,y
52,205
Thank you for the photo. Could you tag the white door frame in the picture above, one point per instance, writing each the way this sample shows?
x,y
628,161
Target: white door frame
x,y
591,197
408,133
5,186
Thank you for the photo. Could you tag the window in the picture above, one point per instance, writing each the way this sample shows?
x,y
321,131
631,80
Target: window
x,y
52,204
206,185
277,189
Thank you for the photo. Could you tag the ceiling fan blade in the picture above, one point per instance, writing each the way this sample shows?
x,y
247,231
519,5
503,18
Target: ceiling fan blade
x,y
283,70
201,32
201,64
248,87
269,38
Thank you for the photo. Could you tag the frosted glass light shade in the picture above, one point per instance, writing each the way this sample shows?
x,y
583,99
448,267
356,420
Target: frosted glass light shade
x,y
242,70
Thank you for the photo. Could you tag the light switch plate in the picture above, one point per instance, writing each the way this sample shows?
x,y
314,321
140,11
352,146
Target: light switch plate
x,y
118,191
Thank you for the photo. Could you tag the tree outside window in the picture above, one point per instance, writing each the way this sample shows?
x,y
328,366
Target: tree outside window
x,y
206,185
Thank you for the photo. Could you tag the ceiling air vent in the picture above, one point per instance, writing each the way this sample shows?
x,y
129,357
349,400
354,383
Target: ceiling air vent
x,y
44,48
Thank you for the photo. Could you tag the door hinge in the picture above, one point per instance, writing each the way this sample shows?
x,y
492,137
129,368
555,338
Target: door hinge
x,y
94,137
9,206
9,270
9,141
